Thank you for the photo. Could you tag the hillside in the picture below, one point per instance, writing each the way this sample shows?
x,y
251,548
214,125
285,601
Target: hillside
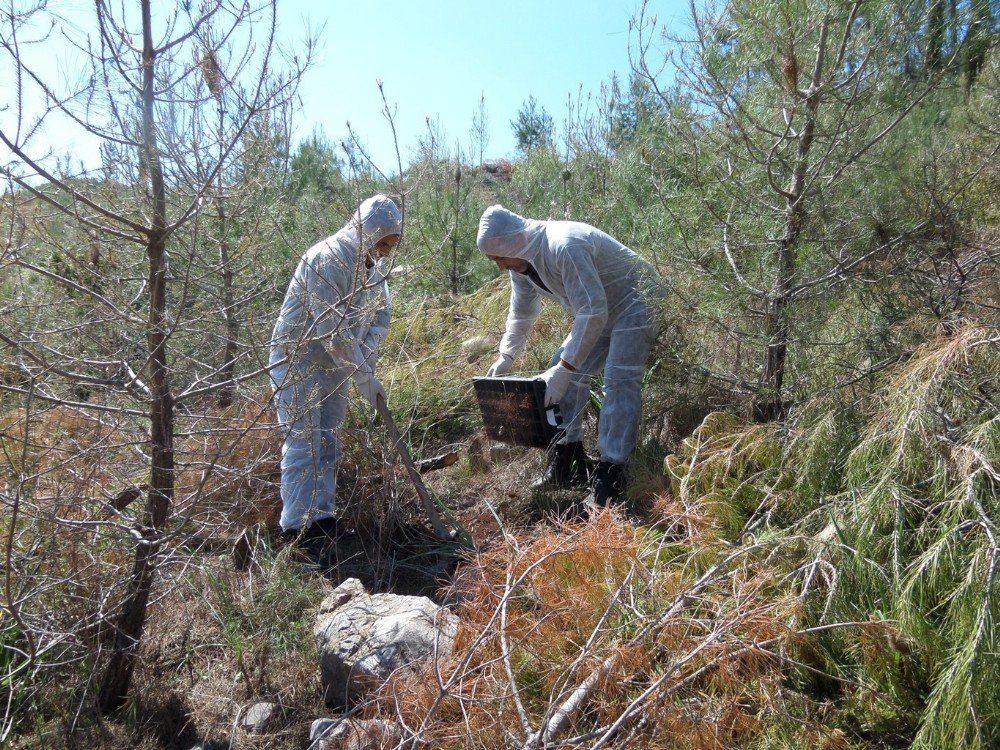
x,y
806,556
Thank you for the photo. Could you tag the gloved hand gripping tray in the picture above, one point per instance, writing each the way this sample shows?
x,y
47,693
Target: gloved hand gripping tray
x,y
514,411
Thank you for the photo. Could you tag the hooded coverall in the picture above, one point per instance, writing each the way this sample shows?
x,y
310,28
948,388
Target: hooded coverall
x,y
333,319
612,295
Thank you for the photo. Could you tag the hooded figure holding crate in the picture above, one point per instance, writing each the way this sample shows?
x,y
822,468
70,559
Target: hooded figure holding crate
x,y
614,298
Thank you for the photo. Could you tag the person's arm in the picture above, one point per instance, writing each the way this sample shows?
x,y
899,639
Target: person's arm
x,y
379,328
330,287
525,306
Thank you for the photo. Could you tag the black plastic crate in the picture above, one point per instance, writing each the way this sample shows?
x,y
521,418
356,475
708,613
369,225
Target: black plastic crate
x,y
514,411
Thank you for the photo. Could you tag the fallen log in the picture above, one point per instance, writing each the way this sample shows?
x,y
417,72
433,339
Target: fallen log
x,y
437,462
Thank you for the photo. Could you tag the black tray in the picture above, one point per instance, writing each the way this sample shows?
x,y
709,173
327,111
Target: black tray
x,y
514,411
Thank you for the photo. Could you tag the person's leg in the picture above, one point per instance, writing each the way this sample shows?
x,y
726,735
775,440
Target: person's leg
x,y
333,412
617,432
304,481
631,339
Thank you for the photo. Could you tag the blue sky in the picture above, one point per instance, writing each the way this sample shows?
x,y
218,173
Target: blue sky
x,y
436,59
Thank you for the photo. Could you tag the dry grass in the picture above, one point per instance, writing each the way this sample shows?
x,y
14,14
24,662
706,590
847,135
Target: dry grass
x,y
74,488
603,634
230,475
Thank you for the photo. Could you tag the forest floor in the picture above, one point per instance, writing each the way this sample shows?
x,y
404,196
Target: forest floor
x,y
228,631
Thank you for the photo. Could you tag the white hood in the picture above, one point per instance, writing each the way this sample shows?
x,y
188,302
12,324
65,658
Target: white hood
x,y
376,217
504,234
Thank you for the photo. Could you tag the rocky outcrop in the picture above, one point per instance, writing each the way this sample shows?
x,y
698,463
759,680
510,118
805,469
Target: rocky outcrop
x,y
363,638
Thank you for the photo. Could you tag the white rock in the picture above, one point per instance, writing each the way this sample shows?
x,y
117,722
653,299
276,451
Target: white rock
x,y
259,716
364,638
348,734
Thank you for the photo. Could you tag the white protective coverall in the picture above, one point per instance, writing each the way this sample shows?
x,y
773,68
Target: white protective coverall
x,y
613,296
333,319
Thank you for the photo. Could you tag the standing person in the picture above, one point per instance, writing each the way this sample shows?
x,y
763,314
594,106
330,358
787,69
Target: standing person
x,y
333,319
613,295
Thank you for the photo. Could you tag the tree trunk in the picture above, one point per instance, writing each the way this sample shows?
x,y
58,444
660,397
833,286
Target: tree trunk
x,y
770,403
118,677
228,367
454,231
228,312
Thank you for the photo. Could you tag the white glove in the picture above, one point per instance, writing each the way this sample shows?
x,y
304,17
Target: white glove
x,y
556,380
369,350
370,346
364,376
501,367
369,386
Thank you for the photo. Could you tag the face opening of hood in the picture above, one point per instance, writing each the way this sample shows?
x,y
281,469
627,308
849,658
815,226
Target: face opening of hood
x,y
377,217
504,234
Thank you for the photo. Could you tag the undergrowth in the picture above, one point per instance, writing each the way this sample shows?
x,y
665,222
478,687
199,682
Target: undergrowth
x,y
829,582
605,634
883,514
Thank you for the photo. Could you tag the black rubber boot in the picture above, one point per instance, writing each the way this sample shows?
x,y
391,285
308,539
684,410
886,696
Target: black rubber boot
x,y
567,467
608,484
317,543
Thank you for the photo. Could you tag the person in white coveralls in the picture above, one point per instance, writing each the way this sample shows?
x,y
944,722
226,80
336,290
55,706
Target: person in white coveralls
x,y
614,298
334,317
